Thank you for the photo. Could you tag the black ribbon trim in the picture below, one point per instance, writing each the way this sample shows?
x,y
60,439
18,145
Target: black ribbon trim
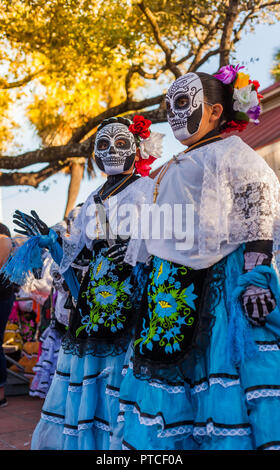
x,y
262,387
268,444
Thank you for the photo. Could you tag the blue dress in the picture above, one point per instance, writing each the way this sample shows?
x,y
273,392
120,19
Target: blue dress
x,y
229,399
81,408
223,394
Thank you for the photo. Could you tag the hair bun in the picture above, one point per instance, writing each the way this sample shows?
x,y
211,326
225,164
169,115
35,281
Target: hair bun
x,y
114,120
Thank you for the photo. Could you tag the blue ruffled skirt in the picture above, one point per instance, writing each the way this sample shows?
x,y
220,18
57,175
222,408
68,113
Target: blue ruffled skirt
x,y
97,403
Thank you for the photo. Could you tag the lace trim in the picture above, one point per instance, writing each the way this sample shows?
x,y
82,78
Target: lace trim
x,y
168,388
181,430
87,380
175,388
268,346
273,445
113,392
263,393
217,429
91,346
126,367
52,418
74,430
167,430
244,195
214,381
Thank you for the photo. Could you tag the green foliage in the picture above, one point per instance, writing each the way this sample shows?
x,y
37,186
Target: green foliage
x,y
275,72
66,61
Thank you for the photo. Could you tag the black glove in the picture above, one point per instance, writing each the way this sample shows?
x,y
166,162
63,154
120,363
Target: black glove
x,y
117,252
31,224
257,301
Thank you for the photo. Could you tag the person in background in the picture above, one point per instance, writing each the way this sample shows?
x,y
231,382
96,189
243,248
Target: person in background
x,y
7,298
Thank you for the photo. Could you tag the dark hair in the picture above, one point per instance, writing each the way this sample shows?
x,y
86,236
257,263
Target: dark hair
x,y
217,92
114,120
4,230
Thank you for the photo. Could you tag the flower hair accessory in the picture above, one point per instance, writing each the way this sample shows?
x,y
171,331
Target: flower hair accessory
x,y
246,99
149,143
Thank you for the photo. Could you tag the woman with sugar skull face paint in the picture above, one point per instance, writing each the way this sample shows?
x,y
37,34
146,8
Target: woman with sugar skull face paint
x,y
102,260
204,368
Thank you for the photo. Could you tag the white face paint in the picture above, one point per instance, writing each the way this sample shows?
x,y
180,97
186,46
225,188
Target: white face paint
x,y
115,149
185,105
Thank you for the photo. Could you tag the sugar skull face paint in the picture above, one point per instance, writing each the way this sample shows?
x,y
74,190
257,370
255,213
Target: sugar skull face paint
x,y
185,105
115,149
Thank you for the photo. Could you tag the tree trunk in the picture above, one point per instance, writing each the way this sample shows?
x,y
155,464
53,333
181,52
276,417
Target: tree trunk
x,y
225,46
77,172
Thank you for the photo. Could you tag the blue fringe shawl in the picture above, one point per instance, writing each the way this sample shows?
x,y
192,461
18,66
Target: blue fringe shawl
x,y
29,257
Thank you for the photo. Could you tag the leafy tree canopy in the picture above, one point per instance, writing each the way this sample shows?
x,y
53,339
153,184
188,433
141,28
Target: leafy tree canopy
x,y
68,64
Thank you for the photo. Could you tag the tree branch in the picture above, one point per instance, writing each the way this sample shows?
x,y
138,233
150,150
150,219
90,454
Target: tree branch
x,y
121,108
46,155
7,86
156,31
31,178
225,44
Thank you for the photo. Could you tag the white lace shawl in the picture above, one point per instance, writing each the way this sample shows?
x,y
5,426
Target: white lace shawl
x,y
235,195
83,230
240,197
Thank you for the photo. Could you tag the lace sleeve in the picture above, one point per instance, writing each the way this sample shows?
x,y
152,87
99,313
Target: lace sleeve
x,y
240,198
252,213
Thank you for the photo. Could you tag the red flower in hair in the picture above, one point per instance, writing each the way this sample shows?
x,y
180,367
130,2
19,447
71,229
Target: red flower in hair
x,y
255,83
256,87
143,165
140,127
236,126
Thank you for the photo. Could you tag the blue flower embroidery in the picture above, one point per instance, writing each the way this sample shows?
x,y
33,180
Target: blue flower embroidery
x,y
166,305
86,321
171,308
162,271
127,287
100,267
105,294
190,296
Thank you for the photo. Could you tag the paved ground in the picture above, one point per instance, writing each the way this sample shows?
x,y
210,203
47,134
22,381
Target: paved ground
x,y
17,422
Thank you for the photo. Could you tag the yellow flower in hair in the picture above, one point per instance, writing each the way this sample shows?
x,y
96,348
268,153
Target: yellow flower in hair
x,y
242,80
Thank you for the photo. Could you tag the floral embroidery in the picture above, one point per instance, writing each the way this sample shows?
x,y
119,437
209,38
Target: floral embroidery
x,y
107,296
100,267
171,308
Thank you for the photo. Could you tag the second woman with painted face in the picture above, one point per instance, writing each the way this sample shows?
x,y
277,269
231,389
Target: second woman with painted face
x,y
204,370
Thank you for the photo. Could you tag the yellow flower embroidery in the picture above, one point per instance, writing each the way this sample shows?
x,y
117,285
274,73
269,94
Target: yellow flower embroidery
x,y
105,294
164,304
99,267
159,271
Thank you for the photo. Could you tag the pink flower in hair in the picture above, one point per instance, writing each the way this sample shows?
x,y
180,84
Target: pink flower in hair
x,y
228,73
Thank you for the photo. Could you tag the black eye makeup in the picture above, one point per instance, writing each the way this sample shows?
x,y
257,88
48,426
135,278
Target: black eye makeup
x,y
103,144
182,102
122,143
